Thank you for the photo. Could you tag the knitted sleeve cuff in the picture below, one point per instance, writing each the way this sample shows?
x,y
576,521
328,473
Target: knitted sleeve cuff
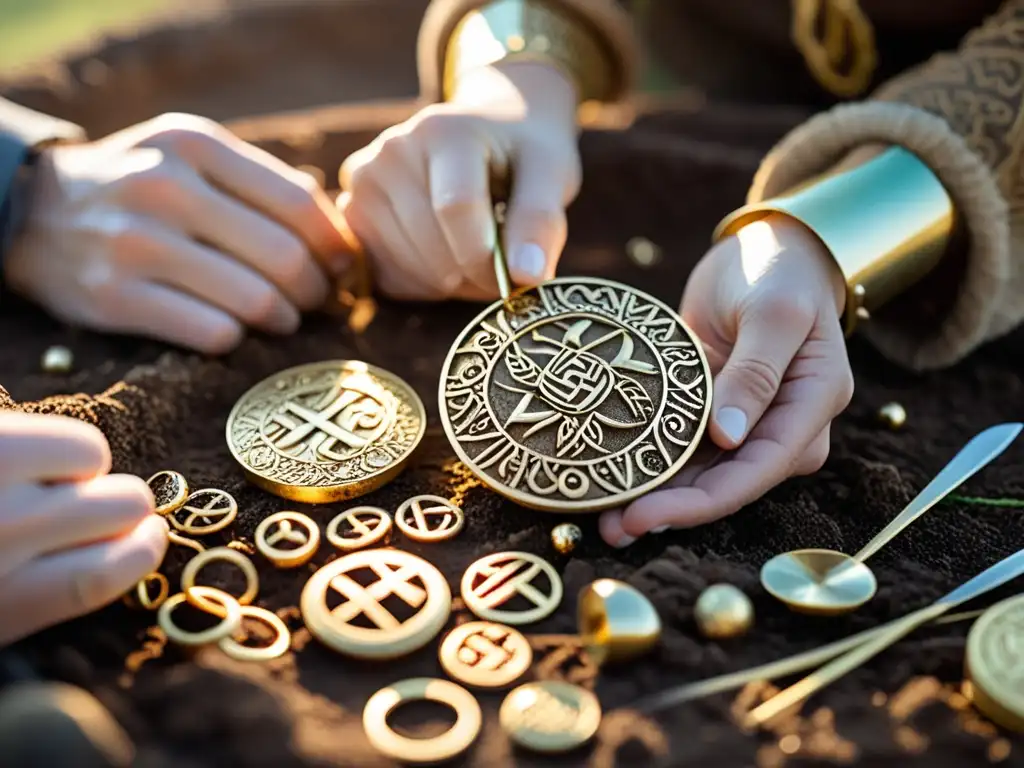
x,y
979,310
607,17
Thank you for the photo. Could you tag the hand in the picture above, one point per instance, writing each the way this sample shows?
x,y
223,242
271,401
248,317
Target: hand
x,y
72,537
178,230
419,196
766,305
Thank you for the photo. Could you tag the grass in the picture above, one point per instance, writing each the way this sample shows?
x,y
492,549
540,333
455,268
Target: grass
x,y
36,29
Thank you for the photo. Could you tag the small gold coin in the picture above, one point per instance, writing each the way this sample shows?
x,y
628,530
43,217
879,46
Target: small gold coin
x,y
587,396
565,537
327,431
550,716
294,528
170,490
369,524
451,743
227,626
144,595
497,579
485,655
416,518
282,638
995,663
204,558
377,634
206,511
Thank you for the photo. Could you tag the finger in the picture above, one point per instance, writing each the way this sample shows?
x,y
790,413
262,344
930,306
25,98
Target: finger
x,y
47,448
461,199
255,240
218,280
535,225
769,335
38,520
163,313
802,410
610,528
57,587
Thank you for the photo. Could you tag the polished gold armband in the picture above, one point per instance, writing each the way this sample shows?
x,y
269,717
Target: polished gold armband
x,y
886,223
530,30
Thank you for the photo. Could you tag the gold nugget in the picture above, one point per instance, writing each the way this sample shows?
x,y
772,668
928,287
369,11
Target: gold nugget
x,y
722,611
565,537
327,431
892,415
58,359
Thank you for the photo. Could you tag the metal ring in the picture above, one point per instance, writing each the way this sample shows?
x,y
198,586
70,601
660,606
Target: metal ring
x,y
142,591
196,564
282,642
226,627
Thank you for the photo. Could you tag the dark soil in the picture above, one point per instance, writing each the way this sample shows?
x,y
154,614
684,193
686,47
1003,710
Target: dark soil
x,y
667,179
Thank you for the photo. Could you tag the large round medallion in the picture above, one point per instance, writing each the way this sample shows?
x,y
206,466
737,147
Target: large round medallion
x,y
995,663
327,431
583,396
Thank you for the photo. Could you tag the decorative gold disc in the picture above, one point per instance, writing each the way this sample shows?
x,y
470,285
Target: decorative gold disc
x,y
361,625
550,716
451,743
429,518
995,663
485,655
282,638
368,524
204,558
819,582
497,579
588,396
327,431
206,511
170,490
229,624
293,527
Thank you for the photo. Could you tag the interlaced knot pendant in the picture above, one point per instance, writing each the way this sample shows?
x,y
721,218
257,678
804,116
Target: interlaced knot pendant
x,y
575,396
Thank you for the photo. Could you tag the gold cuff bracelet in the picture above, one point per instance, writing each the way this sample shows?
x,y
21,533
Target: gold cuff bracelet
x,y
886,222
529,30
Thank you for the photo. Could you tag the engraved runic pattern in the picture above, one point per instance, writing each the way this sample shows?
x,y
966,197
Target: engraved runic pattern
x,y
367,600
486,649
496,580
586,398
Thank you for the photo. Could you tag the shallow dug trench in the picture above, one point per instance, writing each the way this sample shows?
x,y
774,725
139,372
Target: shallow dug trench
x,y
668,178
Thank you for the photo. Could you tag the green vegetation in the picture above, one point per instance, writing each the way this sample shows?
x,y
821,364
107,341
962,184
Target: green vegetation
x,y
34,29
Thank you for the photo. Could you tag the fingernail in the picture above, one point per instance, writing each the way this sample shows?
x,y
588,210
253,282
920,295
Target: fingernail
x,y
529,261
284,319
624,541
733,422
660,529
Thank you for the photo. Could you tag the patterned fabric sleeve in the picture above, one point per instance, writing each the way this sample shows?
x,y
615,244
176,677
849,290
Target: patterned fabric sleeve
x,y
961,113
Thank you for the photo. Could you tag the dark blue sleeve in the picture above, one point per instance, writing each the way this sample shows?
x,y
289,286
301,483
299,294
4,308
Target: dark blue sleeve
x,y
13,153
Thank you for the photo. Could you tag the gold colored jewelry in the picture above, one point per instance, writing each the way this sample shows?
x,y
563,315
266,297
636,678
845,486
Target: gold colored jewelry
x,y
58,360
242,546
388,637
886,222
485,655
893,415
227,626
414,518
844,22
450,744
307,540
587,395
494,580
723,611
565,537
207,511
182,541
366,533
326,432
616,621
282,638
204,558
142,591
170,491
551,716
991,664
531,30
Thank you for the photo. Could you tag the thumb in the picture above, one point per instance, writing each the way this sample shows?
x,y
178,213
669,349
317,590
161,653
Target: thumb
x,y
767,339
535,226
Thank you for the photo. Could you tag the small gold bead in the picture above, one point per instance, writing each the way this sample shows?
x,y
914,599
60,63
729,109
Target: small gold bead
x,y
643,252
565,537
892,415
723,610
58,360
